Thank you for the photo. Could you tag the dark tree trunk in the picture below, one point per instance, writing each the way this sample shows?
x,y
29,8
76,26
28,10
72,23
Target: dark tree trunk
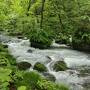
x,y
42,10
29,5
60,20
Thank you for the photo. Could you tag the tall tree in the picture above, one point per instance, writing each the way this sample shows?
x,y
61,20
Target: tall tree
x,y
42,10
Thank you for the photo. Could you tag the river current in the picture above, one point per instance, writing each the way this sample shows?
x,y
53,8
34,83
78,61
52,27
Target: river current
x,y
76,61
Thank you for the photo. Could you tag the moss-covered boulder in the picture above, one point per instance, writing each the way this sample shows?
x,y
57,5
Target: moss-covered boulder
x,y
41,39
49,76
60,66
40,67
3,48
23,65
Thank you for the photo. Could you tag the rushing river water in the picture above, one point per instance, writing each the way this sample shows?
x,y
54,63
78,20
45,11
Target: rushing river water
x,y
75,60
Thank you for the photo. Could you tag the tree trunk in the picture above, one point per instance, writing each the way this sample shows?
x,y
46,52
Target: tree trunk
x,y
29,5
42,10
60,20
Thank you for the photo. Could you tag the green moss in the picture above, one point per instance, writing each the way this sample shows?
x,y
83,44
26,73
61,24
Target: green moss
x,y
60,66
40,38
48,85
40,67
23,65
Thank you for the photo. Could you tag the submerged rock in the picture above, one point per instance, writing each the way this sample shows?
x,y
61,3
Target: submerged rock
x,y
29,51
60,66
49,76
87,83
23,65
84,71
40,67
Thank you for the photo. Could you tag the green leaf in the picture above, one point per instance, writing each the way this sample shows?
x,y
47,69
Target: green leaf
x,y
22,88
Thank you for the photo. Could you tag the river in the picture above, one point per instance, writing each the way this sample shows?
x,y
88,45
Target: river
x,y
76,61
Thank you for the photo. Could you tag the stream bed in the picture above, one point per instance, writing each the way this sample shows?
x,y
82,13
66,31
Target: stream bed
x,y
78,74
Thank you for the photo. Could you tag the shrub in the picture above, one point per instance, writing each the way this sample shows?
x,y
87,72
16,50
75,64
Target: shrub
x,y
29,79
81,38
62,38
5,57
48,85
5,78
39,38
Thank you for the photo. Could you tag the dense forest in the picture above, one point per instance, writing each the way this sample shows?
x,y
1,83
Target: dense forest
x,y
42,23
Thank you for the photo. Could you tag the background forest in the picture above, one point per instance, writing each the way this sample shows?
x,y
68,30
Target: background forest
x,y
59,19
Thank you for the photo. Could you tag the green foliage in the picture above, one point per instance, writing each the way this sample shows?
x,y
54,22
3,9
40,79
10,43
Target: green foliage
x,y
40,37
29,79
23,18
22,88
62,38
47,85
5,58
40,67
81,38
5,78
60,66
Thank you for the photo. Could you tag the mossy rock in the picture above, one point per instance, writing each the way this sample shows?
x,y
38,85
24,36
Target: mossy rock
x,y
40,38
60,66
23,65
49,76
40,67
3,48
39,45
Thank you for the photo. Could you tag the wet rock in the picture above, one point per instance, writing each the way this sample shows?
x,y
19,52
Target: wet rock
x,y
40,45
23,65
87,83
60,66
84,71
29,51
20,37
5,46
40,67
49,76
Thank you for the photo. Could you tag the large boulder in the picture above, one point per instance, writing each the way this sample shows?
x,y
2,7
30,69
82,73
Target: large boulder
x,y
49,76
60,66
39,45
40,38
40,67
23,65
